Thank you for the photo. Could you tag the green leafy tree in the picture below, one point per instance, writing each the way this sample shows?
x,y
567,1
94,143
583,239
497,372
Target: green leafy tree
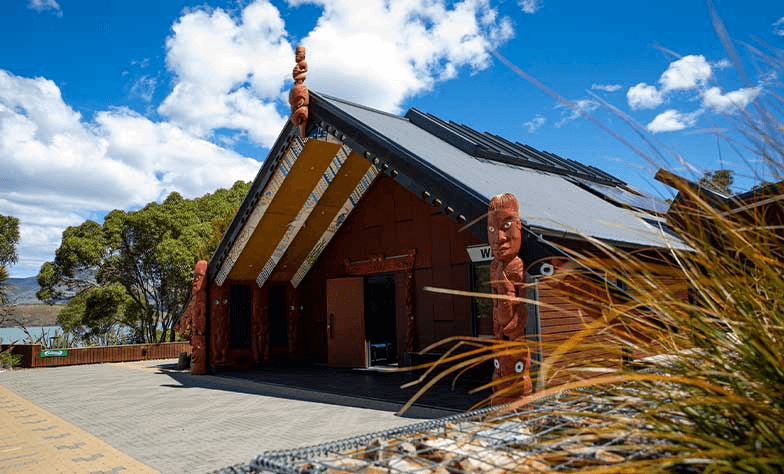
x,y
718,180
5,310
97,316
9,239
135,269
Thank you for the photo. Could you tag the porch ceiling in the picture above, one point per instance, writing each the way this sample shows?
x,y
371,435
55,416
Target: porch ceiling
x,y
311,193
320,220
288,197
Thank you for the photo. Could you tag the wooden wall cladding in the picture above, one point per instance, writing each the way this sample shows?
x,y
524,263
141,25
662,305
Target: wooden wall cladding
x,y
562,316
390,220
560,319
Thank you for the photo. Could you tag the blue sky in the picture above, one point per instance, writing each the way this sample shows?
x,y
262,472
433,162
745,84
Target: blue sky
x,y
114,104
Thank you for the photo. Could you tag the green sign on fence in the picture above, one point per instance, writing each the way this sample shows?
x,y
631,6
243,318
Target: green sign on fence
x,y
54,353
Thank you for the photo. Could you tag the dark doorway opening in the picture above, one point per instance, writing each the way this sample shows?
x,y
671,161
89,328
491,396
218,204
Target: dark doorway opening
x,y
380,319
239,317
278,321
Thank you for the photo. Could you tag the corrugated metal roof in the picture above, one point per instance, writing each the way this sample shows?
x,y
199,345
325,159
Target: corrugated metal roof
x,y
490,165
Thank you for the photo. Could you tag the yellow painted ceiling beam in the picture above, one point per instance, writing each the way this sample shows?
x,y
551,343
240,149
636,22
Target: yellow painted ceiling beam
x,y
332,210
297,184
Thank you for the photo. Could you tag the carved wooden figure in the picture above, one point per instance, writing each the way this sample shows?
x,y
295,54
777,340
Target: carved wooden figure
x,y
299,98
507,278
193,322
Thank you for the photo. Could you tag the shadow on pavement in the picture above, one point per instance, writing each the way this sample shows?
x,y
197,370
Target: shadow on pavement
x,y
377,390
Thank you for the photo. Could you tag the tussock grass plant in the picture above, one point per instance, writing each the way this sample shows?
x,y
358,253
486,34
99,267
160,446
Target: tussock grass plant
x,y
690,341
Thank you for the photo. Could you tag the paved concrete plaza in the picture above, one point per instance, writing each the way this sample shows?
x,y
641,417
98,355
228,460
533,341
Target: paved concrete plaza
x,y
147,417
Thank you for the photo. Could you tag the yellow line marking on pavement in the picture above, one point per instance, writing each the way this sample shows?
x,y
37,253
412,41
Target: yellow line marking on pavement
x,y
52,445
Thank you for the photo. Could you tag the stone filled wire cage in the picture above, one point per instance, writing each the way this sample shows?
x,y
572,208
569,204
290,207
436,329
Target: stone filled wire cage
x,y
563,433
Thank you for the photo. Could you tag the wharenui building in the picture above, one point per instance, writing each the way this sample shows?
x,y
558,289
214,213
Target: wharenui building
x,y
338,252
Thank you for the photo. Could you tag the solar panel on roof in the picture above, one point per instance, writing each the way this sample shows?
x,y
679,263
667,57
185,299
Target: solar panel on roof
x,y
645,203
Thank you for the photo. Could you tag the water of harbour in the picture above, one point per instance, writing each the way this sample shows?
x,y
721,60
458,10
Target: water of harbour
x,y
18,336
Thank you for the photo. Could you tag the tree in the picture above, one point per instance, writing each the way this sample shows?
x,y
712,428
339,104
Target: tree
x,y
9,239
97,316
718,180
135,269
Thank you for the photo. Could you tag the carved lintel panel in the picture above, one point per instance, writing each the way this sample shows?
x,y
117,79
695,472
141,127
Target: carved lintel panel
x,y
379,263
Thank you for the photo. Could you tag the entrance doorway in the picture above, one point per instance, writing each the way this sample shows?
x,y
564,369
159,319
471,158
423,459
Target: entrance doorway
x,y
361,321
380,319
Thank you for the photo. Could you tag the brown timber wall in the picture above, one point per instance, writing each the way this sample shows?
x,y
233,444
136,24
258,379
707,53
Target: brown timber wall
x,y
31,354
390,220
563,316
562,319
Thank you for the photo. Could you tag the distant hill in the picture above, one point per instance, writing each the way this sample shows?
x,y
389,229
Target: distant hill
x,y
23,290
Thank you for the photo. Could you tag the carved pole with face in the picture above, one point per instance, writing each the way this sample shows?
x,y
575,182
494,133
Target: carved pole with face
x,y
193,323
507,278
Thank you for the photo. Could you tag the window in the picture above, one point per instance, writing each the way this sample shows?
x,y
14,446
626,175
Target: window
x,y
482,308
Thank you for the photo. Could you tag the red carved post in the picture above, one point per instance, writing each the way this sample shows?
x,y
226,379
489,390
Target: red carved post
x,y
507,278
299,98
193,322
294,324
260,326
219,325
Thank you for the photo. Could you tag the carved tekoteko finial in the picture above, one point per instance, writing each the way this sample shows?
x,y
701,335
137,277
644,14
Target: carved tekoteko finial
x,y
299,97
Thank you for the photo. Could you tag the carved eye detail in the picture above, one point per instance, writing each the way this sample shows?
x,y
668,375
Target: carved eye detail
x,y
507,225
519,366
496,363
491,228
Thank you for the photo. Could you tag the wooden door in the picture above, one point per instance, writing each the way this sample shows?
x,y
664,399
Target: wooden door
x,y
346,346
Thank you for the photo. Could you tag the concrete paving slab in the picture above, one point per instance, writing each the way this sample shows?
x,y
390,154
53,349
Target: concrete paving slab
x,y
174,422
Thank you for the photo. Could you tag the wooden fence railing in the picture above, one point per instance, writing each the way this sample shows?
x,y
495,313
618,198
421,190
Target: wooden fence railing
x,y
34,356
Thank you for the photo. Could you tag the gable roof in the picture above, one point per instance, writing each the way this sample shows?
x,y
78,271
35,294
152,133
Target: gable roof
x,y
450,166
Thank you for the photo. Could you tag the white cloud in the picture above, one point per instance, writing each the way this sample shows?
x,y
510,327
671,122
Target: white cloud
x,y
722,64
530,6
577,109
644,96
59,170
144,88
606,87
778,27
232,72
45,5
672,120
688,72
535,123
380,53
715,100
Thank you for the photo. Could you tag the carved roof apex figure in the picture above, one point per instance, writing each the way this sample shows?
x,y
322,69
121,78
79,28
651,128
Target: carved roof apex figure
x,y
299,98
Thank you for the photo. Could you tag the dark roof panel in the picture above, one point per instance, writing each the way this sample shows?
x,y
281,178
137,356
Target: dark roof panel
x,y
492,147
